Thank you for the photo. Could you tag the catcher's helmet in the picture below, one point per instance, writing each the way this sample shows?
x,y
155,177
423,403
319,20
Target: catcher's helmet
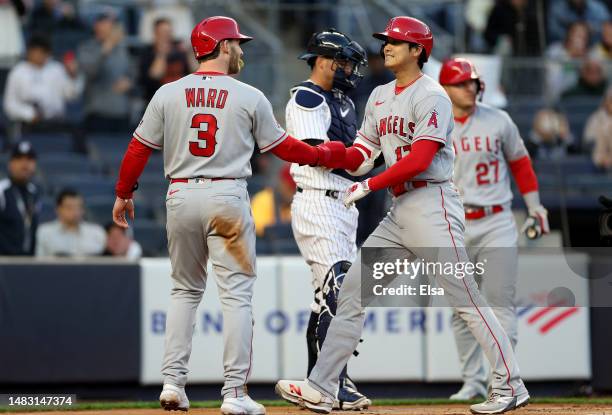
x,y
338,46
207,34
458,70
408,29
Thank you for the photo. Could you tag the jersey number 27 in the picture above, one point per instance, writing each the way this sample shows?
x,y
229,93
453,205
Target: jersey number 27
x,y
482,172
206,136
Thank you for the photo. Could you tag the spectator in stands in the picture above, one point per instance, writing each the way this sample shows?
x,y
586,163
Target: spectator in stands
x,y
512,28
37,91
271,205
119,243
105,61
550,137
51,15
562,69
164,61
179,12
592,80
598,133
70,235
377,75
603,49
11,40
563,13
19,203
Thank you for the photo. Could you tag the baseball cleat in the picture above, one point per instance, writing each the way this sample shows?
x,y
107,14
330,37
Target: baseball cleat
x,y
243,405
469,391
173,398
300,393
349,398
498,404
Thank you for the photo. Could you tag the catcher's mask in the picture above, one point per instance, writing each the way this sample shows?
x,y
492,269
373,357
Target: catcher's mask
x,y
348,56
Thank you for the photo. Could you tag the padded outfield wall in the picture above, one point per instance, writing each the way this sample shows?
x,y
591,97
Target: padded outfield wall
x,y
103,321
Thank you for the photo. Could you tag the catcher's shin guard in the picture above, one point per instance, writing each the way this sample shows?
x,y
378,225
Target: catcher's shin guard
x,y
311,341
326,298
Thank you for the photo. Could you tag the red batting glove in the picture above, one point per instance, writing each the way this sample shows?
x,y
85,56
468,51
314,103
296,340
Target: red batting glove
x,y
331,154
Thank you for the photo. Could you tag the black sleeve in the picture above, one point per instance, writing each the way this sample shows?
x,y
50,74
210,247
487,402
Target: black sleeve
x,y
496,25
19,6
313,141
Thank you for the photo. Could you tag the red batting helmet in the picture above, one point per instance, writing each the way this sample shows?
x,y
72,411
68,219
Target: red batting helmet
x,y
408,29
207,34
456,71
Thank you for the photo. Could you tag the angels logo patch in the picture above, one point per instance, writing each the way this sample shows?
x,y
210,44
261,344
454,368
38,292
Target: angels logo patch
x,y
433,120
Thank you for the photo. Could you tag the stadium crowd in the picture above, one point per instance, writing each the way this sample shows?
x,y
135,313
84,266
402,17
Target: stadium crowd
x,y
76,75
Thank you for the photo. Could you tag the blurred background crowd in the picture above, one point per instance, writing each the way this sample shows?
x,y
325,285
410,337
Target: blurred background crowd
x,y
76,75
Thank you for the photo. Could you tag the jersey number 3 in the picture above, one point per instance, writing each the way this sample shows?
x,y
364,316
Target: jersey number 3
x,y
206,136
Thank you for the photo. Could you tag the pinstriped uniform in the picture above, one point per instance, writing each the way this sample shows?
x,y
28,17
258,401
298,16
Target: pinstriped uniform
x,y
484,144
324,229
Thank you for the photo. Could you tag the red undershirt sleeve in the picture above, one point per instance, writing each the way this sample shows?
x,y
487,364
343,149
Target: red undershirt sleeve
x,y
423,152
524,175
296,151
132,165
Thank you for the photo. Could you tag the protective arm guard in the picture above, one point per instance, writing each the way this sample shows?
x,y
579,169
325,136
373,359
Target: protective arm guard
x,y
369,154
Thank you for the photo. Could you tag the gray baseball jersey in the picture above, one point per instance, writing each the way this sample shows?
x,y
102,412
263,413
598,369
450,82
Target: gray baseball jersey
x,y
484,145
395,118
207,125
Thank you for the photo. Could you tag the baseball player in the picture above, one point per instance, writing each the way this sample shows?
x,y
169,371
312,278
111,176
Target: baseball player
x,y
488,148
207,123
325,231
410,120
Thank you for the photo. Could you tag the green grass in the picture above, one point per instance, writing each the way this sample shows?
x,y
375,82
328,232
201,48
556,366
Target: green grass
x,y
215,404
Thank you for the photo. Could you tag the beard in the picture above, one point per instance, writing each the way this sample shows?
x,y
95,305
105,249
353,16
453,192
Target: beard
x,y
235,64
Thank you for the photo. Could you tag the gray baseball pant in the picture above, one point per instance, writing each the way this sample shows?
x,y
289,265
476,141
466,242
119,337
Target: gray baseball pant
x,y
494,239
209,219
431,216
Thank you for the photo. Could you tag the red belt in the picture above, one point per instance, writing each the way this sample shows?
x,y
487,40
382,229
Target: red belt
x,y
404,187
473,213
212,179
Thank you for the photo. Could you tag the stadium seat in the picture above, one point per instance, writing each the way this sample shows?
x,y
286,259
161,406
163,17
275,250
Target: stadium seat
x,y
47,210
99,209
578,109
56,164
578,164
278,231
256,184
151,236
286,246
109,148
50,143
87,185
280,240
263,247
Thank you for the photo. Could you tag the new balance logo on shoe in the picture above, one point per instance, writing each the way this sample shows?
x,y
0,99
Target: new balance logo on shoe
x,y
295,389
